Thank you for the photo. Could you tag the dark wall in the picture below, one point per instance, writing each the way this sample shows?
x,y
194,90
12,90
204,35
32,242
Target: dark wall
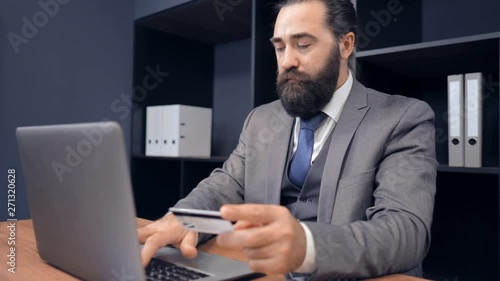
x,y
72,68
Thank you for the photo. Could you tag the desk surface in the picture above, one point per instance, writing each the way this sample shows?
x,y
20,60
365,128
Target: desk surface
x,y
29,266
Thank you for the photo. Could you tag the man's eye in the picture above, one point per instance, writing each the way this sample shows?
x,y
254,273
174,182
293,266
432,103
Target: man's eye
x,y
279,49
303,46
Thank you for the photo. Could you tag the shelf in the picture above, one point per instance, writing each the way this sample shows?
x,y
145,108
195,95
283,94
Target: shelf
x,y
145,8
202,21
483,170
437,59
159,182
421,70
218,159
426,45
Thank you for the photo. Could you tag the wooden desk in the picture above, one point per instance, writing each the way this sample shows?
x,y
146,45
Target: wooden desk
x,y
30,267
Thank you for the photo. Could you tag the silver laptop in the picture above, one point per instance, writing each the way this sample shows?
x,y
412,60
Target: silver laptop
x,y
80,197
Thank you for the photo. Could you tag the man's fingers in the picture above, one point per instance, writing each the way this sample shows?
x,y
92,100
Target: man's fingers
x,y
247,238
151,246
145,232
188,245
258,253
244,225
253,213
166,230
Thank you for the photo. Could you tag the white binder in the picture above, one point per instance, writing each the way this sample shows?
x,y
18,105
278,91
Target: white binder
x,y
195,131
167,132
158,123
149,131
176,138
473,119
456,144
153,127
187,131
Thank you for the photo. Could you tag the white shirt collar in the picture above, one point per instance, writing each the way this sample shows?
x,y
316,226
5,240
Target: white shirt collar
x,y
334,107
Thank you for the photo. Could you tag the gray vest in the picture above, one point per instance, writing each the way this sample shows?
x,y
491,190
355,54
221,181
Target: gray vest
x,y
303,203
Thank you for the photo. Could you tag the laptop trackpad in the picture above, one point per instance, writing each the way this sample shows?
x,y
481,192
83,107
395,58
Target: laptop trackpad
x,y
219,268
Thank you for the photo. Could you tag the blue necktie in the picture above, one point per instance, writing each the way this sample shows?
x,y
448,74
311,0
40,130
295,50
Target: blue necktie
x,y
301,161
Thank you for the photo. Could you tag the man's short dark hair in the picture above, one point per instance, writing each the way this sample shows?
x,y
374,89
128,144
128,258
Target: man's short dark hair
x,y
341,16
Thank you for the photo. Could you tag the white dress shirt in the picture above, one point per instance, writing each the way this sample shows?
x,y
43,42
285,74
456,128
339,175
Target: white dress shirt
x,y
332,109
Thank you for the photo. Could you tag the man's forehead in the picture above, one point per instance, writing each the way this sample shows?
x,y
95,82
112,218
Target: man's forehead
x,y
306,17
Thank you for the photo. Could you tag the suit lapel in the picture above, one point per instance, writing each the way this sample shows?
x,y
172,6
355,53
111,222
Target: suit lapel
x,y
351,116
277,156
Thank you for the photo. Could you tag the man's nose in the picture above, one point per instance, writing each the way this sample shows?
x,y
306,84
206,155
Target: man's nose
x,y
289,59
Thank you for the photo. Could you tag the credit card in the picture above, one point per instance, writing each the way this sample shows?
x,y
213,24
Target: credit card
x,y
202,220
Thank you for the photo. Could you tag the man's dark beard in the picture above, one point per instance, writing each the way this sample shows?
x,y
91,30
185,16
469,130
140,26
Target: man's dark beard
x,y
305,97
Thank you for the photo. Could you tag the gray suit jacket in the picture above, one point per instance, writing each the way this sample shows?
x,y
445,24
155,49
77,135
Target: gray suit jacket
x,y
377,191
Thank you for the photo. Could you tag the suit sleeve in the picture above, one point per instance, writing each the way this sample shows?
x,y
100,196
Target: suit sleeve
x,y
224,185
396,235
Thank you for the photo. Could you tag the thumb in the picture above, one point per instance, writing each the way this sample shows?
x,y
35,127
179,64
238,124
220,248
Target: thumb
x,y
188,244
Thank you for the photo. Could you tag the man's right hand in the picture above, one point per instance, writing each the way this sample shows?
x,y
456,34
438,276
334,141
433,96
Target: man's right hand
x,y
165,231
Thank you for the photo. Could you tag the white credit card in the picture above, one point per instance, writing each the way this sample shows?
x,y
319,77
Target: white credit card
x,y
202,220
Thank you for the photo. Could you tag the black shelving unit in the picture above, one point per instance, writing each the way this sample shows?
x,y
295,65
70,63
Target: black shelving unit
x,y
403,60
420,71
212,159
229,65
224,62
159,182
466,219
482,170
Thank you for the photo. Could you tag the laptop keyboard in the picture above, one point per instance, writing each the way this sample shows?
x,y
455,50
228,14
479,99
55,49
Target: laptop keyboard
x,y
160,270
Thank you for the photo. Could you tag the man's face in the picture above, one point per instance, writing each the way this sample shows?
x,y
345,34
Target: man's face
x,y
308,58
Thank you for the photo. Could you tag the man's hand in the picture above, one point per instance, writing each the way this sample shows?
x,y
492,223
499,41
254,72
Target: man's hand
x,y
165,231
271,238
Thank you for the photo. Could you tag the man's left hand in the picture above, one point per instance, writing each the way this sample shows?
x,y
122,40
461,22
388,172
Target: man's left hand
x,y
276,244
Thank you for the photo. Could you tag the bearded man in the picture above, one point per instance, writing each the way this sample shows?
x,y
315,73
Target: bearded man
x,y
333,180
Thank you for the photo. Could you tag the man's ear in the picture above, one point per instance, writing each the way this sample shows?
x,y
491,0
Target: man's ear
x,y
346,43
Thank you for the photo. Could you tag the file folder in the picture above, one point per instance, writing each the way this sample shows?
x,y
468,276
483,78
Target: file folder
x,y
176,138
167,132
157,121
195,131
456,144
186,131
149,131
473,119
153,130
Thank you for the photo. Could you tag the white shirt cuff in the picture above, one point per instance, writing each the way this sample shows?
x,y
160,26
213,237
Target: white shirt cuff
x,y
309,263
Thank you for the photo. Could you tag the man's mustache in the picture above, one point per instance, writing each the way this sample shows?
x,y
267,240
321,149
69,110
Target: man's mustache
x,y
292,74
